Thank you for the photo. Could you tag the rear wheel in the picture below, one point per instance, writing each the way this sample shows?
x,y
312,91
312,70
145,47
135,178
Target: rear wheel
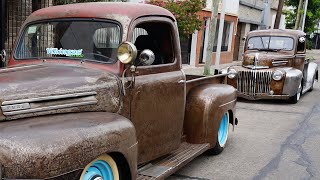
x,y
294,99
104,167
222,135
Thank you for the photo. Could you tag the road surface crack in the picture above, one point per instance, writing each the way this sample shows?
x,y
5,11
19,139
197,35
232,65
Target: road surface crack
x,y
188,177
263,110
294,142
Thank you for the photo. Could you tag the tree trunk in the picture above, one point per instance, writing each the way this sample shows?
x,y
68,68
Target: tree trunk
x,y
279,13
211,36
296,26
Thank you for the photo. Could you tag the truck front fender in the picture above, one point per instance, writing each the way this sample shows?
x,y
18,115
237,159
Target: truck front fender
x,y
205,107
292,81
48,146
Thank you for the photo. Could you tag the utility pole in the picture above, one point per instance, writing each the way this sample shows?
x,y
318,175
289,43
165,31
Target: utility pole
x,y
265,15
296,26
278,16
304,15
211,36
221,25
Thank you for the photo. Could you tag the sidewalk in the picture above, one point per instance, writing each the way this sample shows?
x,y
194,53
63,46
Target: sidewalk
x,y
188,69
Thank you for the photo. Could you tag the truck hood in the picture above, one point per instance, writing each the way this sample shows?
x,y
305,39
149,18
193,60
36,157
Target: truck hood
x,y
35,90
261,60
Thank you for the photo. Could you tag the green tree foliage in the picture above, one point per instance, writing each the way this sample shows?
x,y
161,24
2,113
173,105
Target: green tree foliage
x,y
312,17
185,12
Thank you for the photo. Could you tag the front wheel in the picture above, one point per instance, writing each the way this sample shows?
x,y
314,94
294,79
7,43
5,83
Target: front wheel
x,y
104,167
294,99
222,135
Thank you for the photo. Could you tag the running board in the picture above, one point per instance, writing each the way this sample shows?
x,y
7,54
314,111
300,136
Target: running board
x,y
166,166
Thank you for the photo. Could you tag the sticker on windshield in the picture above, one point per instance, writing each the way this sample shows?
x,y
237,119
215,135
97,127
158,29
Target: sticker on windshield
x,y
66,52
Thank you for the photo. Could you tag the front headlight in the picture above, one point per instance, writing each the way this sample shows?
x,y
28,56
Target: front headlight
x,y
127,52
277,75
232,73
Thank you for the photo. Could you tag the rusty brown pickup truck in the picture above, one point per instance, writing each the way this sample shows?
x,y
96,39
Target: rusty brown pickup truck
x,y
96,91
274,66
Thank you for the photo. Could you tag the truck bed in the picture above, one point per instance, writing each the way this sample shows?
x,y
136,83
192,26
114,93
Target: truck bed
x,y
196,80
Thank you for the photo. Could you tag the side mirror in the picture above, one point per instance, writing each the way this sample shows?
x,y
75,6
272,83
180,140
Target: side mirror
x,y
3,58
146,57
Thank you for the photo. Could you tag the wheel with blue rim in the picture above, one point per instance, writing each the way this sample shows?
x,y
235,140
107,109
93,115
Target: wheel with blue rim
x,y
102,168
222,135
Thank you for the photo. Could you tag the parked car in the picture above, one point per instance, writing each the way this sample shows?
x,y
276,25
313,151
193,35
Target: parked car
x,y
274,66
96,91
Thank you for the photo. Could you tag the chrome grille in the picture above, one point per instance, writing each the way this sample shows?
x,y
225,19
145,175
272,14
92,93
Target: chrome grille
x,y
254,82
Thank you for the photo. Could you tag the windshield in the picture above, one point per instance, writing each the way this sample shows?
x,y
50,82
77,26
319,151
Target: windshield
x,y
83,40
270,43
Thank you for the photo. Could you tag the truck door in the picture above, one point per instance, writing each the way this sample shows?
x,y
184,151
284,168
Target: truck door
x,y
157,104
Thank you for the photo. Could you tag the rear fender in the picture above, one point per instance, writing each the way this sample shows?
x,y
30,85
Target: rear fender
x,y
205,107
48,146
312,72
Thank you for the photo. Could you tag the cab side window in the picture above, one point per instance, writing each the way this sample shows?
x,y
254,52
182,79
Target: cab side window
x,y
157,37
301,44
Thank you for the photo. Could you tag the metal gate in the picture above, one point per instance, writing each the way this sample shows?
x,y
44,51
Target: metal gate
x,y
16,13
2,28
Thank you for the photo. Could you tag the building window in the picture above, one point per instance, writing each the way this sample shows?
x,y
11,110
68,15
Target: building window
x,y
226,37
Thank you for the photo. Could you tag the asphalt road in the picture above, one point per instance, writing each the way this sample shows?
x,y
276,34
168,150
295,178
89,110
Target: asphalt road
x,y
274,140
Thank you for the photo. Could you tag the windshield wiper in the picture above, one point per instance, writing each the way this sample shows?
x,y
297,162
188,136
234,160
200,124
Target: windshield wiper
x,y
279,49
265,49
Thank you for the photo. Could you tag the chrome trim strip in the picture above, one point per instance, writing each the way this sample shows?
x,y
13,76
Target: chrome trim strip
x,y
253,82
15,107
11,113
279,62
206,77
47,98
228,103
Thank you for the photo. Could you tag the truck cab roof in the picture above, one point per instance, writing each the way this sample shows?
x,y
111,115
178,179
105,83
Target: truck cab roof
x,y
276,32
119,11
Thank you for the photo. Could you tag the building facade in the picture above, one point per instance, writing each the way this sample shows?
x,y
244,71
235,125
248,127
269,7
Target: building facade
x,y
200,38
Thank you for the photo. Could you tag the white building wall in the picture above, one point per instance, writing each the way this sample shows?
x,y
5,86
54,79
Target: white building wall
x,y
232,7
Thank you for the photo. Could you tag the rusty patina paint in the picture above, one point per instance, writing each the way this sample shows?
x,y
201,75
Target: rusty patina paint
x,y
266,58
260,61
45,146
142,124
205,106
54,79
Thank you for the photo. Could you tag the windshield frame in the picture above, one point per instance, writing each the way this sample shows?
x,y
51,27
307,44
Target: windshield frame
x,y
26,26
268,48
